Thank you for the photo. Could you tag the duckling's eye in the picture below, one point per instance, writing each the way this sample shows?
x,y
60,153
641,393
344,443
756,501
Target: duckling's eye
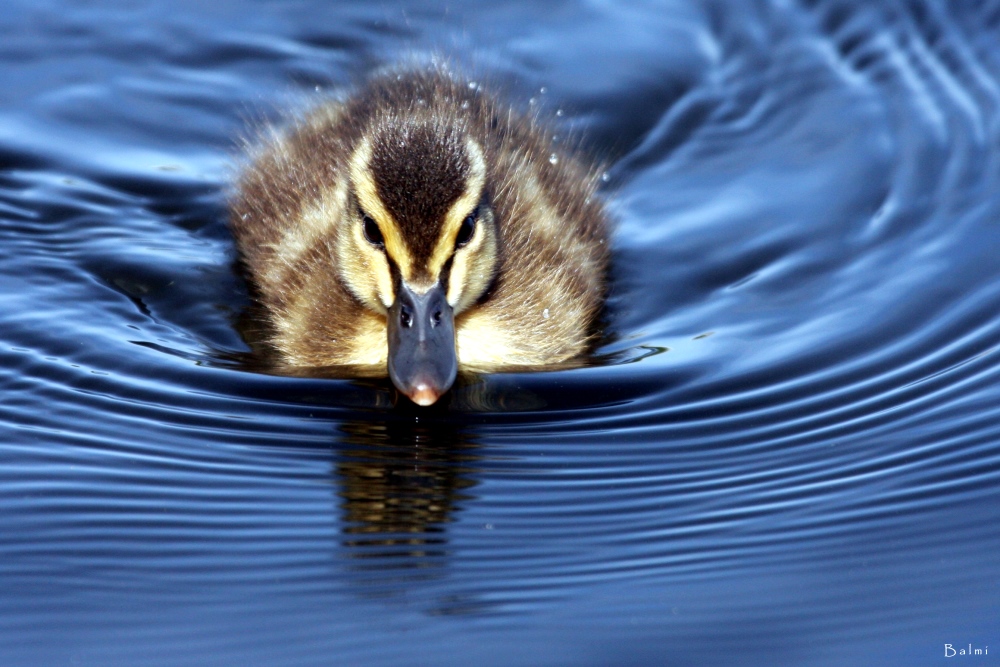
x,y
372,233
467,229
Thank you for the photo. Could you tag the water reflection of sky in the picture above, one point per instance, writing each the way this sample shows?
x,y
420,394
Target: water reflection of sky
x,y
786,451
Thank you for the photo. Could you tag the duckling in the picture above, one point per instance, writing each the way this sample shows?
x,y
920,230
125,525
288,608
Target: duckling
x,y
419,227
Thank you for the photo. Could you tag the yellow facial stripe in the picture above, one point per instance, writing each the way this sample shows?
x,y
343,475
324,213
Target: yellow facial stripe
x,y
367,194
462,207
315,223
473,266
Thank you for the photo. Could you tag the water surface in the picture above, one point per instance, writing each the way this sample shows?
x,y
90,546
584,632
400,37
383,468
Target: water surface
x,y
788,453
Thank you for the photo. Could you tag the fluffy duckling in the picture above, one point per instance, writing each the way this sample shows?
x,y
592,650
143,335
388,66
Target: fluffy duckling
x,y
421,226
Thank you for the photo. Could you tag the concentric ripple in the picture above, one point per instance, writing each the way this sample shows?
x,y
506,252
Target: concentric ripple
x,y
787,451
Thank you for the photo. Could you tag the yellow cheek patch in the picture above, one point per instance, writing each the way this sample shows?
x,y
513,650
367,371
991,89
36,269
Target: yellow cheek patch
x,y
473,269
359,268
365,270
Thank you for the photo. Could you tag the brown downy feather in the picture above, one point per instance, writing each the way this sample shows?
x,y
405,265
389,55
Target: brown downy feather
x,y
295,202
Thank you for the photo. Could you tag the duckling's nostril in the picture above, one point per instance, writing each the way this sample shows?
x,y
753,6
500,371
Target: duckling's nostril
x,y
436,318
405,318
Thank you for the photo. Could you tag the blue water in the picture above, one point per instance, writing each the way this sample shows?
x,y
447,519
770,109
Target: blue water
x,y
787,452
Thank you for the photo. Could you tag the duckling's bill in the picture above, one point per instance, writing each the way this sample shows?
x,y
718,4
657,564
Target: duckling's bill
x,y
422,358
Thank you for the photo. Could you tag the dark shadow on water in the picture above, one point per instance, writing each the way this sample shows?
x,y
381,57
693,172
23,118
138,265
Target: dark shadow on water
x,y
401,481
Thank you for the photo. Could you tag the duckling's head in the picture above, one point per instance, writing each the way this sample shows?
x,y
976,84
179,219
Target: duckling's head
x,y
422,244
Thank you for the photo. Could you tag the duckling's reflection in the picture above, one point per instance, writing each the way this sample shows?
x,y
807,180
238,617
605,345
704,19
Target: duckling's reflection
x,y
401,482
